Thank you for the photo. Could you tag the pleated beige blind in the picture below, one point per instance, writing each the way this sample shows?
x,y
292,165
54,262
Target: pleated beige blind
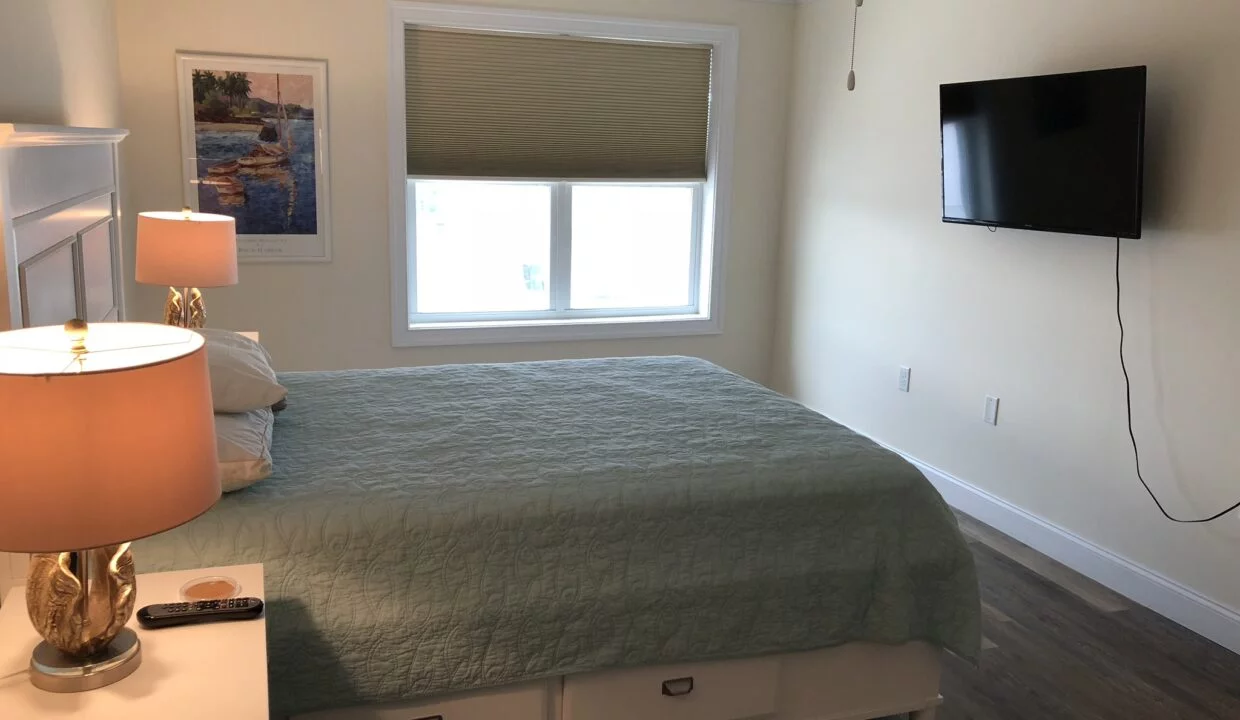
x,y
535,106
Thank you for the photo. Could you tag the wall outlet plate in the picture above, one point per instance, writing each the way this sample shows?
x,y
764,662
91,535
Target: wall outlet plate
x,y
991,414
905,377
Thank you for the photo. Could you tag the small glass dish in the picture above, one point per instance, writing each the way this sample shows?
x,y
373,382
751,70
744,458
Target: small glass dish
x,y
214,587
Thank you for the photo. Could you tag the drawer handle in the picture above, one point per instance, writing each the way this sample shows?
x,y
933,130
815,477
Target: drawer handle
x,y
678,687
430,717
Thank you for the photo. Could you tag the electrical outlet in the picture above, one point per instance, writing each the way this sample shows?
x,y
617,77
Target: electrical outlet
x,y
905,376
992,410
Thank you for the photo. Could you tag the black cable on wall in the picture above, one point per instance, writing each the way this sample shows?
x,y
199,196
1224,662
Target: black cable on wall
x,y
1136,454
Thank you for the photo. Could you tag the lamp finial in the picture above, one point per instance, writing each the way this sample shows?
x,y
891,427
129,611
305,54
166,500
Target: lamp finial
x,y
76,329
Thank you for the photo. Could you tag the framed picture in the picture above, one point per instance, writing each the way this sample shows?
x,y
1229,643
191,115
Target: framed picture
x,y
254,146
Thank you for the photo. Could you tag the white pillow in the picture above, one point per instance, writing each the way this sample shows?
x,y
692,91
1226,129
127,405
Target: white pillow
x,y
243,441
241,376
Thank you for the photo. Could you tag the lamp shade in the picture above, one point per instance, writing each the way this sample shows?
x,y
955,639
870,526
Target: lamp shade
x,y
105,445
185,249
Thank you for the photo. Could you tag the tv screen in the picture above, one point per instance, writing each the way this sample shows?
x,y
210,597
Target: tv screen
x,y
1061,153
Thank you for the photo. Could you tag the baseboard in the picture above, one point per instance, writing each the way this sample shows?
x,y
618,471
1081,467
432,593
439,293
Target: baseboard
x,y
1161,594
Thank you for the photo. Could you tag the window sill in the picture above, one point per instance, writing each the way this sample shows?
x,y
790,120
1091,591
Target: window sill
x,y
527,331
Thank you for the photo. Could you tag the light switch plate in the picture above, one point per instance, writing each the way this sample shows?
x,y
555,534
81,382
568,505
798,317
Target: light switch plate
x,y
992,410
905,377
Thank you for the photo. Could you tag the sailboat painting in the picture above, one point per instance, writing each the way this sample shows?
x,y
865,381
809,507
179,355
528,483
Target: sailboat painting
x,y
254,141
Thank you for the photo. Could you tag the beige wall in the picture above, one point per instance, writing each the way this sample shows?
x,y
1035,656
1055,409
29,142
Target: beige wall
x,y
58,63
338,315
871,279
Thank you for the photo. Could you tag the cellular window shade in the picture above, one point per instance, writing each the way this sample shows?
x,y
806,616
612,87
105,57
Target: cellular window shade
x,y
535,106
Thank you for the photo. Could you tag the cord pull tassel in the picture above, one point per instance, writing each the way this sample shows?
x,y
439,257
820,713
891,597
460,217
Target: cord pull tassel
x,y
852,55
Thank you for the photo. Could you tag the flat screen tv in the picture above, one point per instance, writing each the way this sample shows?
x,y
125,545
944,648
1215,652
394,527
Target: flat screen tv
x,y
1061,153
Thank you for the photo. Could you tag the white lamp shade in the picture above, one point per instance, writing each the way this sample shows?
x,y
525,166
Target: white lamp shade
x,y
184,249
103,447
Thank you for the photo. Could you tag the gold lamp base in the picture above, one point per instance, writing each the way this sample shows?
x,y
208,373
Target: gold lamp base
x,y
79,602
176,312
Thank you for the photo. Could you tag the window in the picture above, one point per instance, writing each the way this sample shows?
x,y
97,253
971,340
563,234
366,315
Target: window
x,y
562,175
488,249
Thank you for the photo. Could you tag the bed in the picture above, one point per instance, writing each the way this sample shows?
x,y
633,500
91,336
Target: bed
x,y
549,538
582,540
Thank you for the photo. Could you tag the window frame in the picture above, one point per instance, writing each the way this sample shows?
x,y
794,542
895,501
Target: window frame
x,y
711,222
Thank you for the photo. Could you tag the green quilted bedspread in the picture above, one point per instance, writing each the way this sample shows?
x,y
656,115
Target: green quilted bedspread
x,y
437,529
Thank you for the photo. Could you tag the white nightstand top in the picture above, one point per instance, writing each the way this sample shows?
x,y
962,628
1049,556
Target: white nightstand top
x,y
216,671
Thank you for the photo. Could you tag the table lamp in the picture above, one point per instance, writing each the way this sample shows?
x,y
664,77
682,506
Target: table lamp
x,y
107,436
186,251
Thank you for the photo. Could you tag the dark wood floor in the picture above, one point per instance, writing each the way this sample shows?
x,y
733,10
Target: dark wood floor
x,y
1058,645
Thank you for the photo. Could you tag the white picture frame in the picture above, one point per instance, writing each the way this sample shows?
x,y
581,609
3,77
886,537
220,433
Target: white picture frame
x,y
244,151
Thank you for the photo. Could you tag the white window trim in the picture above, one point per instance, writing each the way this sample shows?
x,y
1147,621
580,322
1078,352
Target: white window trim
x,y
718,189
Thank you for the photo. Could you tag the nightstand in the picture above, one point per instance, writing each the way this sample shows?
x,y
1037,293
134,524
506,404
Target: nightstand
x,y
216,671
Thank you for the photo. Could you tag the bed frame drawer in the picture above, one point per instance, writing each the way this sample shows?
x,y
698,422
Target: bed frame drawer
x,y
533,701
860,680
728,690
849,682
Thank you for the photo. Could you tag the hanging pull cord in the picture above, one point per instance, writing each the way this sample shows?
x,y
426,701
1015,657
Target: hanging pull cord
x,y
852,58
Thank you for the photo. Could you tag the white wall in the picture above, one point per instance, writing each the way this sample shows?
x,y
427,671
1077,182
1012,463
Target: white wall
x,y
337,315
58,63
871,279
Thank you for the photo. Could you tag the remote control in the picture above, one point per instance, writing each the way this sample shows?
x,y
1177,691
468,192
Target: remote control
x,y
153,617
